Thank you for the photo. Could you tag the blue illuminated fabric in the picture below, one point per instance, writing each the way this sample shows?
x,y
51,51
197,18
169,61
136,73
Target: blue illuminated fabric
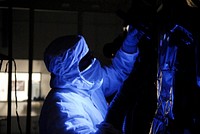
x,y
76,103
165,90
166,78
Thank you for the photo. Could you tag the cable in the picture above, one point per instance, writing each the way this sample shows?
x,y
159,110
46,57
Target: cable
x,y
18,119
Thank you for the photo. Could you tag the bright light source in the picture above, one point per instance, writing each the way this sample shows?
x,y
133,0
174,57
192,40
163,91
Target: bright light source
x,y
21,85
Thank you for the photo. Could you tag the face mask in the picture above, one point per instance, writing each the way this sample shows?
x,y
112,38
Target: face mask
x,y
86,61
92,75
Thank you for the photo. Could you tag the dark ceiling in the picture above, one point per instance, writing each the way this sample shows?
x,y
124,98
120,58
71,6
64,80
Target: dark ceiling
x,y
124,8
69,5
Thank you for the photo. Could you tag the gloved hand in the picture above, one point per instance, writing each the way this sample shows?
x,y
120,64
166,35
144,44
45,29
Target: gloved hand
x,y
132,39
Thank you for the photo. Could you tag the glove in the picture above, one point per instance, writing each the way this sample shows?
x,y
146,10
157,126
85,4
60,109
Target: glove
x,y
132,39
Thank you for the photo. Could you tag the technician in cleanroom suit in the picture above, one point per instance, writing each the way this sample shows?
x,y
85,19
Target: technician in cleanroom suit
x,y
76,103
